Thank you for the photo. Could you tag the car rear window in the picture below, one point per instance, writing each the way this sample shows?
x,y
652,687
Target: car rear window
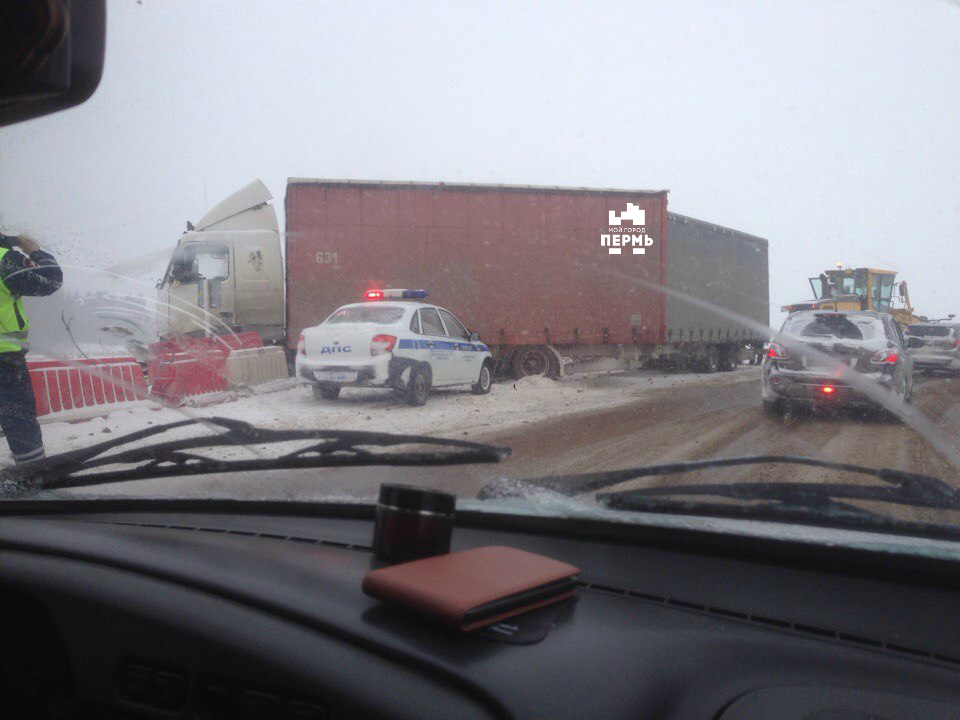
x,y
842,327
366,314
929,330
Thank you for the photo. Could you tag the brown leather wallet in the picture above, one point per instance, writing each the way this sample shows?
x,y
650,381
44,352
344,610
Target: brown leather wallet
x,y
473,588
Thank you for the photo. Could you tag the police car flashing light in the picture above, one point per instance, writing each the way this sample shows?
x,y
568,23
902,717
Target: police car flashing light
x,y
396,294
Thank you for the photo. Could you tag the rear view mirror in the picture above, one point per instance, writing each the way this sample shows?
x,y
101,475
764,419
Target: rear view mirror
x,y
914,342
51,55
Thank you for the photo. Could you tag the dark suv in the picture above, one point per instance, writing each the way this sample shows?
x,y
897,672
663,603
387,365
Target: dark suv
x,y
835,359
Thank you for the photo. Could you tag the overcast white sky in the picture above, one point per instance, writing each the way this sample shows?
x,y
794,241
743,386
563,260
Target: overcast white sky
x,y
831,128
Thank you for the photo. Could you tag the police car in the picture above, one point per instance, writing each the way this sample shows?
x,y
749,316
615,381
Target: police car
x,y
393,340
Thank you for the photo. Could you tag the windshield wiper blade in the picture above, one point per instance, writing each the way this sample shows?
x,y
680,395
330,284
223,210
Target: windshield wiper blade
x,y
807,503
333,448
901,488
922,488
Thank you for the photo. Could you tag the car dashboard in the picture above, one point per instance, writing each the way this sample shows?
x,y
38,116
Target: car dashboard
x,y
123,610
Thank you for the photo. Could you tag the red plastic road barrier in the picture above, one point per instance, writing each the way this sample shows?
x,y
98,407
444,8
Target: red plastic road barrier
x,y
187,367
58,387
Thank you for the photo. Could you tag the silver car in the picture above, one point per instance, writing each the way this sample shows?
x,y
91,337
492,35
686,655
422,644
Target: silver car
x,y
808,372
939,347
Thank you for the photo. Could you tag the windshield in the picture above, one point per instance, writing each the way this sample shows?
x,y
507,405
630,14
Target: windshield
x,y
375,315
574,230
884,292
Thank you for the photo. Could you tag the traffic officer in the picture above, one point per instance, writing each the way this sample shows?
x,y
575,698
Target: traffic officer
x,y
31,272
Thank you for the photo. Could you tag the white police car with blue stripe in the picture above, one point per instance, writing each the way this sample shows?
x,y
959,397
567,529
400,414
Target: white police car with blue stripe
x,y
392,340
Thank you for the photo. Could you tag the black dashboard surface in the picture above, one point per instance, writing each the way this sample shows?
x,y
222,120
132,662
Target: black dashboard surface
x,y
213,614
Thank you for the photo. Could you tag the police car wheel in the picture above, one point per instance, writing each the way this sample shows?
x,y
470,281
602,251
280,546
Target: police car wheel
x,y
485,381
419,387
326,392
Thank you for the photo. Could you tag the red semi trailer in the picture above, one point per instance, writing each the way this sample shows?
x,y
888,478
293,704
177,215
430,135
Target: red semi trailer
x,y
553,279
548,276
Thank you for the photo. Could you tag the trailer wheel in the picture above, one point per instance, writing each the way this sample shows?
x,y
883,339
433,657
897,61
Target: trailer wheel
x,y
535,360
728,358
710,361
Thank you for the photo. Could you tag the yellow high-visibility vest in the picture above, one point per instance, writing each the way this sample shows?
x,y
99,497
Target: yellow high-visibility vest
x,y
13,320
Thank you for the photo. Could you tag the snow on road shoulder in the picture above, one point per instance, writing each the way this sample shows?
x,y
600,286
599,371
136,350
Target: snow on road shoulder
x,y
448,413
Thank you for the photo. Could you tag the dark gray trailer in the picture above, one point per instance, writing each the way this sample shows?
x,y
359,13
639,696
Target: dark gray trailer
x,y
718,299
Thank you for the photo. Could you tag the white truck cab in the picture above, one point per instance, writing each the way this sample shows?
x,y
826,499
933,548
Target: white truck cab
x,y
227,271
392,340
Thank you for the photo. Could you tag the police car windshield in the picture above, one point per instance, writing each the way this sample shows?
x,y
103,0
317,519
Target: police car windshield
x,y
377,314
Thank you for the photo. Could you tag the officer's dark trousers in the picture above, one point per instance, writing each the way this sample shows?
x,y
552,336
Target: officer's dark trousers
x,y
18,411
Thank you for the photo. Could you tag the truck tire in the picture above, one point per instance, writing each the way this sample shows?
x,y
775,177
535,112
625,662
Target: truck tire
x,y
485,382
418,388
535,360
710,361
326,392
729,355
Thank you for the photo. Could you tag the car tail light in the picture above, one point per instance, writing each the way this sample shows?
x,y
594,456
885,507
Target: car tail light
x,y
886,357
956,343
777,352
382,344
302,345
828,389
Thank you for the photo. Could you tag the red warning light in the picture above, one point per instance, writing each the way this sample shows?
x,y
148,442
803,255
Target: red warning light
x,y
373,294
827,390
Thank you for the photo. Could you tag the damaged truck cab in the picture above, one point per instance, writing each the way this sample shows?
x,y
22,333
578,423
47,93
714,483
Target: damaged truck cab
x,y
227,272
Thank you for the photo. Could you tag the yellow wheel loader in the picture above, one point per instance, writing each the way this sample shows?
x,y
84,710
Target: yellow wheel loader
x,y
859,289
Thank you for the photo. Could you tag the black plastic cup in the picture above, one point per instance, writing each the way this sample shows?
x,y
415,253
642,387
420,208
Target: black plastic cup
x,y
412,523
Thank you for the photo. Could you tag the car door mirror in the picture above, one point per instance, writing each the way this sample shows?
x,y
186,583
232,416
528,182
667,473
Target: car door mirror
x,y
474,336
914,342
